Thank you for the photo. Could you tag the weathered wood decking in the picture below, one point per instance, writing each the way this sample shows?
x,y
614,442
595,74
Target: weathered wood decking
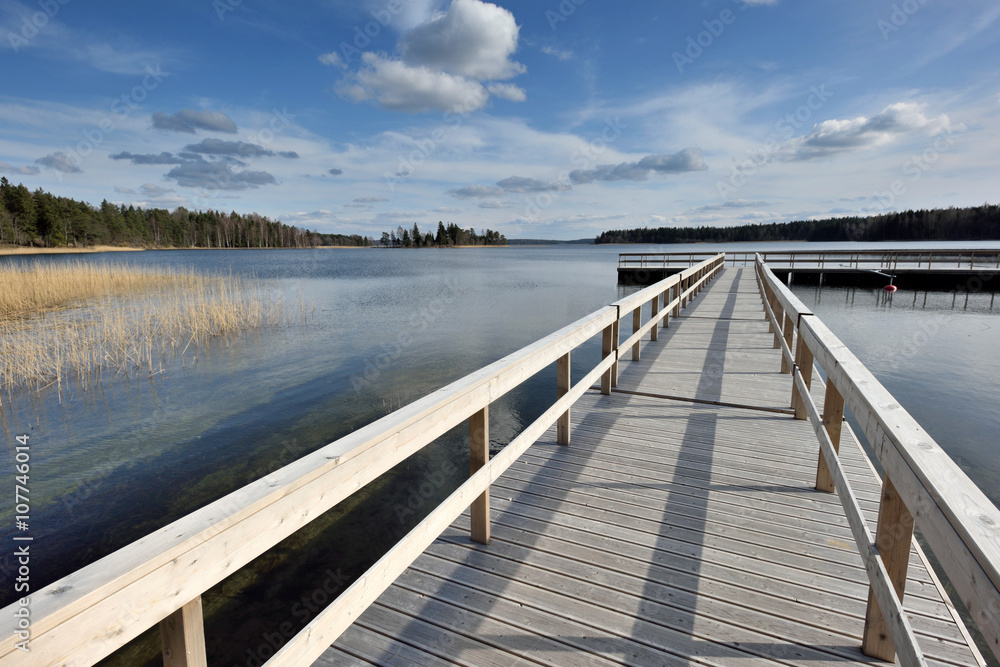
x,y
669,532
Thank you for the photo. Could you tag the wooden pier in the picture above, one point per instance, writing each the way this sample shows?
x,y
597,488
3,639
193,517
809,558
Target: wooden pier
x,y
681,526
961,270
684,502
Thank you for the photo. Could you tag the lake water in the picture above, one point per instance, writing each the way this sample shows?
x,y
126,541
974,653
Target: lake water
x,y
382,328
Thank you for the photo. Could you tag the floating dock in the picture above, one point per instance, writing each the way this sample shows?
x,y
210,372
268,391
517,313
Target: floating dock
x,y
949,270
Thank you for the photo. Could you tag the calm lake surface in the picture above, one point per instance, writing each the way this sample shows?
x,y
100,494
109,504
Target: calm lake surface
x,y
374,330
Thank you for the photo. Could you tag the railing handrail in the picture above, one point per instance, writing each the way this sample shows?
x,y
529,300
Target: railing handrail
x,y
644,295
88,614
961,525
882,258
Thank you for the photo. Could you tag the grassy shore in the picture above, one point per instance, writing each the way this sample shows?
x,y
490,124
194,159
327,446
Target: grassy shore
x,y
30,250
88,322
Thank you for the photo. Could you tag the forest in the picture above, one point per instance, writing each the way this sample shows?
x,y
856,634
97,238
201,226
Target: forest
x,y
949,224
42,219
451,235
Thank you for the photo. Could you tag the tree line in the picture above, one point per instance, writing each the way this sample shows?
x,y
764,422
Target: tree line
x,y
42,219
450,235
949,224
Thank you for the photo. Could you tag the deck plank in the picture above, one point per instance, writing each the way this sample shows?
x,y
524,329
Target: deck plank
x,y
670,532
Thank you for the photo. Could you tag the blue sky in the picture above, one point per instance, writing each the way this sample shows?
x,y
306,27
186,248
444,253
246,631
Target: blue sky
x,y
541,119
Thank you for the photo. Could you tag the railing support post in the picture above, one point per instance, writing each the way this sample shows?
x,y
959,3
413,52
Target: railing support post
x,y
636,325
182,637
678,286
479,455
607,349
563,385
653,333
833,421
771,301
779,316
615,340
804,362
893,537
789,333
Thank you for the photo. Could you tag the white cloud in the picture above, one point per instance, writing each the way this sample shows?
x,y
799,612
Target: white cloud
x,y
153,190
399,87
22,170
731,204
218,176
60,162
476,191
688,159
411,12
838,136
522,184
557,53
507,91
472,38
450,62
190,120
332,59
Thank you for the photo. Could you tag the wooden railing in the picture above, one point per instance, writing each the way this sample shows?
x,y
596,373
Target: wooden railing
x,y
159,579
921,484
879,260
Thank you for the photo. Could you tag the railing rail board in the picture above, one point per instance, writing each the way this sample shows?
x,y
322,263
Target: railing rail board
x,y
888,259
961,525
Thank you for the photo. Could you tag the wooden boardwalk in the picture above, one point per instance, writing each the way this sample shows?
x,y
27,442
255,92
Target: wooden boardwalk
x,y
681,526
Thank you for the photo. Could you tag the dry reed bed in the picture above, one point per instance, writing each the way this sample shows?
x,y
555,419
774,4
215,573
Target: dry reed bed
x,y
88,322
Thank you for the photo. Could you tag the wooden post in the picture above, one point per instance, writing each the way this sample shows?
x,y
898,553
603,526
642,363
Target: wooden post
x,y
563,386
636,325
779,316
479,455
182,637
833,421
804,362
677,295
655,311
615,340
789,333
607,349
893,537
770,301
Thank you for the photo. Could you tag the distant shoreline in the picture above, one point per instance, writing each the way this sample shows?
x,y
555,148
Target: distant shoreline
x,y
11,250
31,250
